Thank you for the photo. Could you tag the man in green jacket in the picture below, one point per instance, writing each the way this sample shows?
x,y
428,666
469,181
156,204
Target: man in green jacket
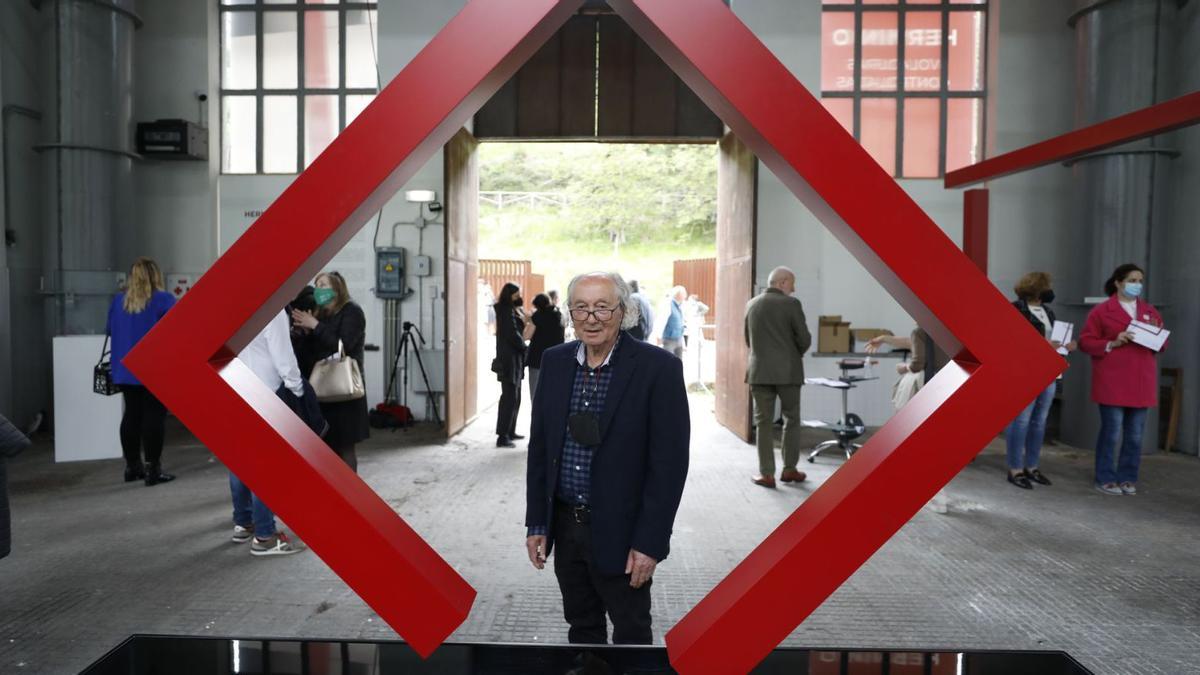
x,y
778,336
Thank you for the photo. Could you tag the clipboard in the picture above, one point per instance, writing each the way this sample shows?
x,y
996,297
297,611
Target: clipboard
x,y
1148,335
1062,332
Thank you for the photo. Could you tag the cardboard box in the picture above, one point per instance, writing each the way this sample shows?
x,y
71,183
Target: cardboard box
x,y
833,335
861,336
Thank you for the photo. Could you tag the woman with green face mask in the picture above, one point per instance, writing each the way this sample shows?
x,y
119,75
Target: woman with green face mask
x,y
337,318
1124,377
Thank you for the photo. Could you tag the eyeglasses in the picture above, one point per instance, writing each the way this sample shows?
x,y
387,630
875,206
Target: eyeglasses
x,y
603,314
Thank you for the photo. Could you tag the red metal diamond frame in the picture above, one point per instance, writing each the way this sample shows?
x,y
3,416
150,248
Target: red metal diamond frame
x,y
187,359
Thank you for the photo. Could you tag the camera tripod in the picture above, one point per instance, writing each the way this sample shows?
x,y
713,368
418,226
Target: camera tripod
x,y
407,339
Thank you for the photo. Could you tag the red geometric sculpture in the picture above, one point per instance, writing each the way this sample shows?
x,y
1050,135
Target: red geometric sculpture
x,y
926,443
1159,118
186,360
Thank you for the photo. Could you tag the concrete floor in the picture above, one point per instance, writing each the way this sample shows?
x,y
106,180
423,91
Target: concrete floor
x,y
1115,581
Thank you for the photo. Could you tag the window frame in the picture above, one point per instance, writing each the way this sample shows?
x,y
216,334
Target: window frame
x,y
943,95
296,8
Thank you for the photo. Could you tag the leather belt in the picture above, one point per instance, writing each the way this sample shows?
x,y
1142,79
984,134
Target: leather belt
x,y
580,513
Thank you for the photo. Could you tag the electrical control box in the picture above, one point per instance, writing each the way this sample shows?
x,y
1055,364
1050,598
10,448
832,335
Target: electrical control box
x,y
422,266
389,273
172,139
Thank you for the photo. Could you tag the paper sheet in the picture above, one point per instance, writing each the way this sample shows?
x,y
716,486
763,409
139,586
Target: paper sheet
x,y
1148,335
1062,332
826,382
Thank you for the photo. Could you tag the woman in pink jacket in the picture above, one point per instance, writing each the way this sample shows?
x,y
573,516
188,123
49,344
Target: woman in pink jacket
x,y
1124,377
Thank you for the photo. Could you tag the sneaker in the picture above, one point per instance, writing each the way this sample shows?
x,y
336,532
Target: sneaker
x,y
241,534
275,545
1109,488
1128,488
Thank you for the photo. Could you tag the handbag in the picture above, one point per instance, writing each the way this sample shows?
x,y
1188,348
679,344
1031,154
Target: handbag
x,y
337,378
102,382
906,387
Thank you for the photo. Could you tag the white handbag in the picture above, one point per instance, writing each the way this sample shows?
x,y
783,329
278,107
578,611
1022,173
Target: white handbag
x,y
337,378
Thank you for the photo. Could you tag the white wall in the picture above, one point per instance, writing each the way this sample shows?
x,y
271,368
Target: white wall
x,y
176,200
1030,81
404,28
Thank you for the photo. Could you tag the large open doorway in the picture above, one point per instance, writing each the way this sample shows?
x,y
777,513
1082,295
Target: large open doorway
x,y
599,152
664,214
549,211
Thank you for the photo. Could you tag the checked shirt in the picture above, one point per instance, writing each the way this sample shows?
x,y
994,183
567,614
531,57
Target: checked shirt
x,y
588,393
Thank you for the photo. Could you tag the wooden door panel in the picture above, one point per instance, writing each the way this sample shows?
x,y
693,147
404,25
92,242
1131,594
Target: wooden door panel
x,y
462,265
455,346
736,217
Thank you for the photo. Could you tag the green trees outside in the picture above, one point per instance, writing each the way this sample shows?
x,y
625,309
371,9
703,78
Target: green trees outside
x,y
572,207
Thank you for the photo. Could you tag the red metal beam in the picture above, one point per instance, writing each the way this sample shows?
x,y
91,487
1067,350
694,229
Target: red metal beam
x,y
975,227
1156,119
854,512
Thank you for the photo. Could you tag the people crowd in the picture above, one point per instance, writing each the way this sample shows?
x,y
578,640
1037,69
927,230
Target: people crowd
x,y
610,522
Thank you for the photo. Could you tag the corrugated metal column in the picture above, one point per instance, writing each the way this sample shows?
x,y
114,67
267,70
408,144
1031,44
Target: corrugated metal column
x,y
89,92
1123,54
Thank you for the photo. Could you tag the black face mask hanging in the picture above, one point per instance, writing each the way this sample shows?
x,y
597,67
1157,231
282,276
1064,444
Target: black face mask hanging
x,y
1047,297
584,428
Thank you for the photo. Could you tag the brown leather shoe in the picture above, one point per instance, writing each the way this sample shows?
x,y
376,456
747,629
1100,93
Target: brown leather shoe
x,y
765,481
792,476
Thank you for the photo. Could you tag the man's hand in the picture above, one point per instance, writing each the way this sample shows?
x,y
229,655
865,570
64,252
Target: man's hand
x,y
874,343
535,545
902,368
639,566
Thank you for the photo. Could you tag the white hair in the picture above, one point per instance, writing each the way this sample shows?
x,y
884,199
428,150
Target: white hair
x,y
778,275
629,309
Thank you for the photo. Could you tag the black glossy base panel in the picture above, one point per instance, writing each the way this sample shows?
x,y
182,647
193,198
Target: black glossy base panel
x,y
176,655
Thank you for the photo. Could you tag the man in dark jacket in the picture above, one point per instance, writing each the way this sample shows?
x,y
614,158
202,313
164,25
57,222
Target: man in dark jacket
x,y
608,456
777,334
11,443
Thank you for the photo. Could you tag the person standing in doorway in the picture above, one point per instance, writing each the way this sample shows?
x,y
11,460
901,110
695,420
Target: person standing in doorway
x,y
130,316
694,312
338,319
1124,377
673,327
644,326
510,363
547,332
777,333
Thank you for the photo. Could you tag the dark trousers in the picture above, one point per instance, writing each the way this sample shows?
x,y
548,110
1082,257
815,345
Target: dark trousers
x,y
348,455
142,426
588,595
510,403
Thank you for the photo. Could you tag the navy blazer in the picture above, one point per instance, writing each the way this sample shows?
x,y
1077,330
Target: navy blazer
x,y
640,466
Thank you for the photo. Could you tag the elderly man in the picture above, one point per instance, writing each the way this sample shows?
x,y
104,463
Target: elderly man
x,y
608,456
778,336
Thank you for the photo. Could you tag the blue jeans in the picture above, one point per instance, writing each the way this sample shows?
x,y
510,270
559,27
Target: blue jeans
x,y
1125,425
1024,434
248,508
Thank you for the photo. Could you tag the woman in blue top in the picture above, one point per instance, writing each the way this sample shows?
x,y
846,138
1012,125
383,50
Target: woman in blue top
x,y
132,314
